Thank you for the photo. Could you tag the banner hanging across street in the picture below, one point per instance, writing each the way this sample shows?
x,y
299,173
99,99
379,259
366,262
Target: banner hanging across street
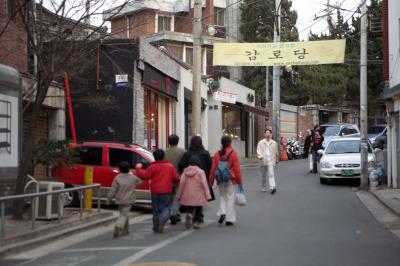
x,y
279,53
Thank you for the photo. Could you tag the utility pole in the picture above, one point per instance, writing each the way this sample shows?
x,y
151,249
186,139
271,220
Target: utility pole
x,y
363,98
196,92
266,86
276,93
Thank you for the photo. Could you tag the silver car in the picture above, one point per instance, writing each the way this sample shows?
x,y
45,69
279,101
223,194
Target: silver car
x,y
342,159
332,130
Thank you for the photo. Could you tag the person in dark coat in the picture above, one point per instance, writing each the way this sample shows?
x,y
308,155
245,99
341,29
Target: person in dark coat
x,y
196,148
307,144
316,145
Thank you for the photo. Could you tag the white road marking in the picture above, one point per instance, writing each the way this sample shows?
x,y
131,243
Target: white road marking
x,y
64,242
151,249
72,250
137,256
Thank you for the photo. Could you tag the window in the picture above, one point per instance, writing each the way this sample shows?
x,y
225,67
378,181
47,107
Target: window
x,y
119,155
89,155
164,23
348,131
231,122
10,6
348,146
219,16
189,56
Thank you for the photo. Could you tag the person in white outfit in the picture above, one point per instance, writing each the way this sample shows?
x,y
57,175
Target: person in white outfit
x,y
267,152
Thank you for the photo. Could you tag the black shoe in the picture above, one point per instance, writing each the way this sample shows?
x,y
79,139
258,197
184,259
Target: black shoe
x,y
273,190
229,224
173,220
221,219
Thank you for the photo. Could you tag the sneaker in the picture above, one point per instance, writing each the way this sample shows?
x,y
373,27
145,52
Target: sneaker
x,y
228,224
263,190
188,221
221,219
161,224
273,190
196,226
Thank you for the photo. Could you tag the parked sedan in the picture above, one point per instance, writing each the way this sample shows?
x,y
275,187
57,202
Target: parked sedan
x,y
378,140
342,159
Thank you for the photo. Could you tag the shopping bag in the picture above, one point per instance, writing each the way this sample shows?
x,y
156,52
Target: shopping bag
x,y
310,161
240,198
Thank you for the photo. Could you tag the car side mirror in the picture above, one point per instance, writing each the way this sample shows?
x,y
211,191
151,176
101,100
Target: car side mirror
x,y
320,152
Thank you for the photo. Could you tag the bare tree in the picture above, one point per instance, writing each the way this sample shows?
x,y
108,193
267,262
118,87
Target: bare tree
x,y
59,38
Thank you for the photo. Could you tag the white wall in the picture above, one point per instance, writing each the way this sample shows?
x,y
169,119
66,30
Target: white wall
x,y
230,86
394,42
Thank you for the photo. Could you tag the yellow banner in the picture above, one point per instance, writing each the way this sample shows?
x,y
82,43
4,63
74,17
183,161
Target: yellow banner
x,y
280,53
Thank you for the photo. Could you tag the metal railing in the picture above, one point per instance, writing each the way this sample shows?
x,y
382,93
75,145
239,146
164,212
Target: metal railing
x,y
35,196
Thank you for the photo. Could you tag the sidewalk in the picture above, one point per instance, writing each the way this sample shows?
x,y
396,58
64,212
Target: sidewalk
x,y
389,197
20,236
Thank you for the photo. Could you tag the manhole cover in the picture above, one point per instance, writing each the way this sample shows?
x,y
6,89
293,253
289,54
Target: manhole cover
x,y
166,263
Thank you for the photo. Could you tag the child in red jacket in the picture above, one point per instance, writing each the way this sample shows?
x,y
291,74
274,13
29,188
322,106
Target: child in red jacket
x,y
162,175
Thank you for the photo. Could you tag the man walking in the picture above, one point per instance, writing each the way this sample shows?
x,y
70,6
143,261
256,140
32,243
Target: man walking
x,y
267,152
173,155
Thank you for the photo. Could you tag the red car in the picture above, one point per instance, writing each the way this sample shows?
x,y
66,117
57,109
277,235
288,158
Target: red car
x,y
104,157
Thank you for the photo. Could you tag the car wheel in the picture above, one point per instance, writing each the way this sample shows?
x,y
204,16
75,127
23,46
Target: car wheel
x,y
71,199
323,180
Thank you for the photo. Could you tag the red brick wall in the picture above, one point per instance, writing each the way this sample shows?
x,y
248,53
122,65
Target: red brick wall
x,y
304,121
141,24
13,46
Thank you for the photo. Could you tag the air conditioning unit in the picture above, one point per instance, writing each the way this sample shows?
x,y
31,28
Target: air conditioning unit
x,y
47,206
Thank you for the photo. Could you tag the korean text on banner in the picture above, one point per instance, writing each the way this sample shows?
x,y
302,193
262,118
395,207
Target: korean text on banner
x,y
223,96
280,53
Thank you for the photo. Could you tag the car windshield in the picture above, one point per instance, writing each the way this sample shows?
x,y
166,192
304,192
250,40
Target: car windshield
x,y
375,130
345,146
330,130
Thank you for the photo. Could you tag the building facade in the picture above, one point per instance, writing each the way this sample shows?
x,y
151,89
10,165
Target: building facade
x,y
391,8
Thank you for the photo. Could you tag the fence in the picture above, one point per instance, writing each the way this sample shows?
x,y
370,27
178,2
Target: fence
x,y
35,196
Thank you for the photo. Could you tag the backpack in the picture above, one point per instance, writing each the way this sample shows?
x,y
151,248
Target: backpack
x,y
222,172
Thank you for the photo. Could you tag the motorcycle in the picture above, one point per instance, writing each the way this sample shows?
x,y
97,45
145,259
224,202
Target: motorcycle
x,y
294,149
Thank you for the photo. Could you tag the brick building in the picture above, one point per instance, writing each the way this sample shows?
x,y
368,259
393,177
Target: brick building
x,y
14,52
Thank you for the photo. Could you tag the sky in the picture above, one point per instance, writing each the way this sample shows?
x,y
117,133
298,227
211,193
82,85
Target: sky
x,y
308,9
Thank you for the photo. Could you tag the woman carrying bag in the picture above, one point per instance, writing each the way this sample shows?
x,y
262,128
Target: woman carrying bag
x,y
225,170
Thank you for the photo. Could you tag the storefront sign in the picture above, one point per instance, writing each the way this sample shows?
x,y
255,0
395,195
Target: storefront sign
x,y
159,81
280,53
121,81
225,97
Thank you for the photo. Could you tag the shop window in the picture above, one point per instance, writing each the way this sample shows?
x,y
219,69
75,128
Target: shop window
x,y
119,155
231,122
219,16
89,155
164,23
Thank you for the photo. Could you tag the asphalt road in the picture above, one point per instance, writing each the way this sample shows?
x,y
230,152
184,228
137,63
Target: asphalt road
x,y
304,223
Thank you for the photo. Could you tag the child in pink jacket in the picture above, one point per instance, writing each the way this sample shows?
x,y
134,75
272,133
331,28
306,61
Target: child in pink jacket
x,y
193,191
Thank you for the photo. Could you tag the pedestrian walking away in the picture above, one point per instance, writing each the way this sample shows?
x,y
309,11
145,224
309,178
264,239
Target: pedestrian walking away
x,y
226,172
267,153
123,188
196,148
316,145
162,176
173,155
193,191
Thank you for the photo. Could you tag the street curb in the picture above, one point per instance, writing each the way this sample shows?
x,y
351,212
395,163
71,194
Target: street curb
x,y
385,204
33,243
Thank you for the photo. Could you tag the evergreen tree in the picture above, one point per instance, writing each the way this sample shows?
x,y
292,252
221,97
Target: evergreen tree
x,y
257,25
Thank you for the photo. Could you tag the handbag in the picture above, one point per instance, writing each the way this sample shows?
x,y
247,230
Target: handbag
x,y
240,198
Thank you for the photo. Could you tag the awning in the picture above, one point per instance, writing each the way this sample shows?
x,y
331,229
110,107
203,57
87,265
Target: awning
x,y
248,108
